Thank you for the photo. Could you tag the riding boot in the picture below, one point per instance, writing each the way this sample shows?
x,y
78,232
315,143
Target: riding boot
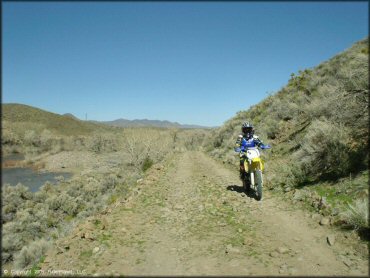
x,y
248,178
241,171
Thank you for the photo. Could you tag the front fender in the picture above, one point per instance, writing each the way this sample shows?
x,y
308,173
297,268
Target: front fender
x,y
257,163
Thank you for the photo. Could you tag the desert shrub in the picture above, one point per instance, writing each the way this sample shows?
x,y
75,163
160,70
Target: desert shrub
x,y
224,132
318,107
365,50
76,143
300,82
147,164
14,198
96,143
325,150
10,137
40,211
31,254
20,232
357,214
217,153
217,142
355,78
52,219
12,240
102,143
31,138
285,173
135,148
109,182
231,157
46,139
54,202
70,205
30,216
64,203
92,208
270,128
208,141
159,144
138,144
48,188
283,109
57,145
75,189
7,149
122,187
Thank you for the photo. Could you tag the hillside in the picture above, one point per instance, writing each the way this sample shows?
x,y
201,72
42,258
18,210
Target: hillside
x,y
149,123
71,116
318,128
13,113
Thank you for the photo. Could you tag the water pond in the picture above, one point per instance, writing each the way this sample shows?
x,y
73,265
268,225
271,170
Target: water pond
x,y
27,176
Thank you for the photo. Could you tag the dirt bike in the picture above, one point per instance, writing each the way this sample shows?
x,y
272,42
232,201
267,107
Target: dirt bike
x,y
253,168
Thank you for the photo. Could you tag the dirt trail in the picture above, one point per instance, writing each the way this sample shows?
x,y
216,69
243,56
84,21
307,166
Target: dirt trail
x,y
190,218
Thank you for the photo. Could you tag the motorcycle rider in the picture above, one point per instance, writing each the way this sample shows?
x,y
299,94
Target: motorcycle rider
x,y
252,141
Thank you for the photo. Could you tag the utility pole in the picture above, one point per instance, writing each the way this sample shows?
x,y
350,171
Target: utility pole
x,y
85,116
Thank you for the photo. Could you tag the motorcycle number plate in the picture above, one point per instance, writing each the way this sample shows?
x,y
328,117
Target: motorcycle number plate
x,y
253,153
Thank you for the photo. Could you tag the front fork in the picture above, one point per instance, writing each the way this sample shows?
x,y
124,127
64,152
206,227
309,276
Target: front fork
x,y
252,178
250,169
244,168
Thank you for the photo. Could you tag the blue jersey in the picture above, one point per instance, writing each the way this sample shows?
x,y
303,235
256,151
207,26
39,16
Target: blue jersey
x,y
245,143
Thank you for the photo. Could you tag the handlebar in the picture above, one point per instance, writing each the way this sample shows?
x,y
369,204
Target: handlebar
x,y
264,147
243,149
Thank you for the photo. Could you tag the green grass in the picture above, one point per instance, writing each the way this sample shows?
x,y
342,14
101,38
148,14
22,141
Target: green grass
x,y
148,162
69,218
139,261
97,222
236,239
35,269
85,254
343,192
112,199
104,237
332,195
253,253
126,209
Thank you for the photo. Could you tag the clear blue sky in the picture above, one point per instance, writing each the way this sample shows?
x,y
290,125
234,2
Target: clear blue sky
x,y
194,63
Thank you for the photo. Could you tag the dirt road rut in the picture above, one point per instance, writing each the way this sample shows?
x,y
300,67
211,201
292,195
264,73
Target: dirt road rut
x,y
190,217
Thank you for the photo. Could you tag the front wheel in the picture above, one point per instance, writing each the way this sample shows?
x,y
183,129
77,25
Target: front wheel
x,y
259,183
246,184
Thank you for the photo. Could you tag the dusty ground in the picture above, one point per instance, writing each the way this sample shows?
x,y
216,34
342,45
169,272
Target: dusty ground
x,y
190,217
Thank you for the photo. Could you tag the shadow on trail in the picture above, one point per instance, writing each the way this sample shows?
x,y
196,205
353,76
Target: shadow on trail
x,y
240,190
236,188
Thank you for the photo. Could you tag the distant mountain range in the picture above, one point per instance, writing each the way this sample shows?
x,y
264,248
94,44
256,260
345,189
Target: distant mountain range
x,y
141,123
150,123
15,112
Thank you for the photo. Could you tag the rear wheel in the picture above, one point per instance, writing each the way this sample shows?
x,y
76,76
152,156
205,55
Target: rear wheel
x,y
259,183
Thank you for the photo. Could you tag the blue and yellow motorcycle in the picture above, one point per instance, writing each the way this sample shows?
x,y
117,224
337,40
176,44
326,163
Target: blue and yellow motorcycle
x,y
253,167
